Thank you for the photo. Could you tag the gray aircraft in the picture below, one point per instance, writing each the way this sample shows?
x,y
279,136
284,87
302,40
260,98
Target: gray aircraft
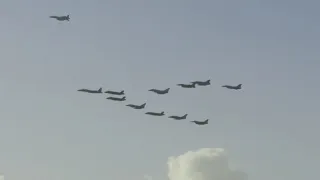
x,y
239,86
160,91
116,99
192,85
155,114
201,83
61,18
179,117
142,106
115,92
91,91
201,122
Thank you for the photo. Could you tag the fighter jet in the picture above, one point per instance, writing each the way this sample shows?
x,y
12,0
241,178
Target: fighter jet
x,y
61,18
91,91
202,83
142,106
192,85
233,87
179,117
155,114
201,122
116,99
160,91
115,92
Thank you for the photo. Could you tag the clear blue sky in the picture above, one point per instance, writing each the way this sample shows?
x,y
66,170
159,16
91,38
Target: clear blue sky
x,y
50,131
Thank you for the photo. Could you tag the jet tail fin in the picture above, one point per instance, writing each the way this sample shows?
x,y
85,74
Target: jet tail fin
x,y
100,90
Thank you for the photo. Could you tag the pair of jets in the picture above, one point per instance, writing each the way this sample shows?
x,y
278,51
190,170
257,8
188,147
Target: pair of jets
x,y
61,18
185,116
116,93
162,114
99,91
194,83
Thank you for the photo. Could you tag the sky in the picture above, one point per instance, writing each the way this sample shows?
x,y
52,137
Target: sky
x,y
50,131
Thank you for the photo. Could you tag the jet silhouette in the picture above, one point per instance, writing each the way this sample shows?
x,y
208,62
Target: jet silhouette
x,y
192,85
142,106
202,83
233,87
160,91
115,92
116,99
155,114
91,91
201,122
61,18
179,117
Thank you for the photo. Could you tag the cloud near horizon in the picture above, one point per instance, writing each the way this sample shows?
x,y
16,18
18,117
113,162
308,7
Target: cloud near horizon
x,y
203,164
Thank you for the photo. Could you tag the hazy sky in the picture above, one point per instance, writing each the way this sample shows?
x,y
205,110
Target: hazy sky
x,y
49,131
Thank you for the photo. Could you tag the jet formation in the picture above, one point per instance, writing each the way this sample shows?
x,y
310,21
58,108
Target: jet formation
x,y
116,94
191,85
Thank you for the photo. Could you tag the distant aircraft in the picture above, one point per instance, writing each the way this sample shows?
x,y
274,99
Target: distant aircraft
x,y
192,85
202,83
155,114
142,106
179,117
201,122
61,18
116,99
91,91
160,91
115,92
233,87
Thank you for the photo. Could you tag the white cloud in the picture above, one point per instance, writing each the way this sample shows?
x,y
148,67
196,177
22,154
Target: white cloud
x,y
203,164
